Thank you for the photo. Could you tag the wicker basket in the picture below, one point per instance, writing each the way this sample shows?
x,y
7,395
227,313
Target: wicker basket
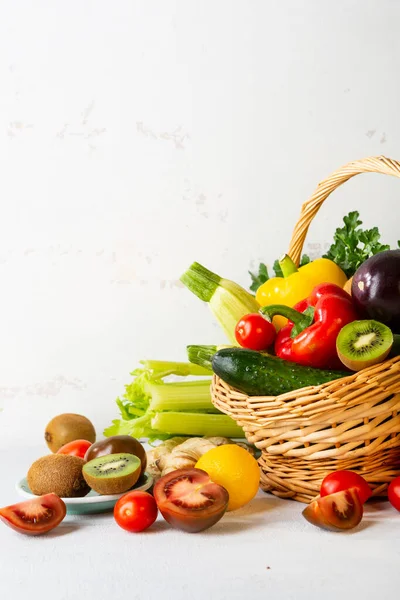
x,y
351,423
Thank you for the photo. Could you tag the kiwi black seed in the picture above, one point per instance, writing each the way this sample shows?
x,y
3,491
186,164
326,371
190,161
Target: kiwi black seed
x,y
59,474
66,428
361,344
112,474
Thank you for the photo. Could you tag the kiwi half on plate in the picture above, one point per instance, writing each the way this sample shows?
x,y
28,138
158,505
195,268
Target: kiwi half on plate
x,y
112,474
361,344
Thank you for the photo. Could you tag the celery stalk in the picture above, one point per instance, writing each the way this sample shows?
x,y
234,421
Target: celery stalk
x,y
154,409
162,425
228,301
177,423
181,396
162,368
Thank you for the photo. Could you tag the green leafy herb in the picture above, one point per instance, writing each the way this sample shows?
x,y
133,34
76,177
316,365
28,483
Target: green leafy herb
x,y
260,278
353,245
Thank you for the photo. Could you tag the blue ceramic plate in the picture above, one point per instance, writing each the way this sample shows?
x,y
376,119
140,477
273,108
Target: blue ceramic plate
x,y
93,502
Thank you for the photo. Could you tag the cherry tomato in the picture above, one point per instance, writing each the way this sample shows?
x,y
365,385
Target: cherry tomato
x,y
135,511
189,500
342,510
344,480
394,493
75,448
35,517
254,332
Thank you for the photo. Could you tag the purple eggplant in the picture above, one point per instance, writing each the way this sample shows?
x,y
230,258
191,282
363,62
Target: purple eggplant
x,y
376,288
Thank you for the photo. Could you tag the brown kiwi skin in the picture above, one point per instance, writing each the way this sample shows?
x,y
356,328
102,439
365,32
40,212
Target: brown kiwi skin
x,y
111,485
59,474
66,428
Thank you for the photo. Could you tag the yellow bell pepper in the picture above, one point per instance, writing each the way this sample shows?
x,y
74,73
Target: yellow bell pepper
x,y
297,284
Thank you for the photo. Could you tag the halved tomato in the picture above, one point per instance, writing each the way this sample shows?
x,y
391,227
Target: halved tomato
x,y
344,480
189,500
35,517
342,510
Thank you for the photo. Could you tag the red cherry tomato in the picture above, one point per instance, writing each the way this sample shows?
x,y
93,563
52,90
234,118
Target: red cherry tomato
x,y
75,448
340,481
35,517
342,510
135,511
254,332
394,493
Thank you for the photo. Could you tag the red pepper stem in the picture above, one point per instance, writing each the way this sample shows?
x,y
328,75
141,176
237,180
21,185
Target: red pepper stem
x,y
287,265
300,320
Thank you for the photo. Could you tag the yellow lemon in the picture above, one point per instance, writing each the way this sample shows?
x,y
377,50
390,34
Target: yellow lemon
x,y
235,469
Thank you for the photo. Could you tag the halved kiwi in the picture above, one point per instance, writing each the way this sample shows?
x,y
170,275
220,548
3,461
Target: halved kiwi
x,y
361,344
112,474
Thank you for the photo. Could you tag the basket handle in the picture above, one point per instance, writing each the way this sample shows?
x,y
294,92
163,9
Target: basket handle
x,y
373,164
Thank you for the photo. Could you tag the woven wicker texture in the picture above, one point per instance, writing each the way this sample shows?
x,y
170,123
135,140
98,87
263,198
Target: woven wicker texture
x,y
351,423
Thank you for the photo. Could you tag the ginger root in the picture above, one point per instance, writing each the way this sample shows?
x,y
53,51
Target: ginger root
x,y
183,453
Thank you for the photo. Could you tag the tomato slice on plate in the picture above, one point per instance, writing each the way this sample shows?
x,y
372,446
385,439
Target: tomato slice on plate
x,y
342,510
35,517
344,480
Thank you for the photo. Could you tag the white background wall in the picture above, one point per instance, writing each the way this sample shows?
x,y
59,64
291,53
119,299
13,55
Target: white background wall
x,y
138,136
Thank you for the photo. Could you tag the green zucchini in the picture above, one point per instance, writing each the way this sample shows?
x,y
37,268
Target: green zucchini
x,y
258,374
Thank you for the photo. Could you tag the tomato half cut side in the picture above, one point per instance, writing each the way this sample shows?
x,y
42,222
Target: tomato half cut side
x,y
36,516
336,512
189,500
344,480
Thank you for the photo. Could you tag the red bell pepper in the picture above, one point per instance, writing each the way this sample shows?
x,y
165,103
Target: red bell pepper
x,y
309,338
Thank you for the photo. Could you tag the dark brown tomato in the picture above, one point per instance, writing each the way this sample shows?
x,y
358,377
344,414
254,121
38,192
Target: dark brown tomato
x,y
342,510
189,500
36,516
118,444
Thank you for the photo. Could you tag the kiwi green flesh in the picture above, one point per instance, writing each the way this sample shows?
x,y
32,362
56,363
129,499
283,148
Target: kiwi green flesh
x,y
58,474
112,474
362,344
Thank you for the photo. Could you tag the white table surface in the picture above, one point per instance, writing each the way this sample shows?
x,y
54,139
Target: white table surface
x,y
265,550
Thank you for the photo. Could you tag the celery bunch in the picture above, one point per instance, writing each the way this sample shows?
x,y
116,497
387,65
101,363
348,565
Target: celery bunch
x,y
156,409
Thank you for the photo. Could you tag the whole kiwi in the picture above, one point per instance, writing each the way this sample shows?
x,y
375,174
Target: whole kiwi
x,y
67,428
59,474
118,444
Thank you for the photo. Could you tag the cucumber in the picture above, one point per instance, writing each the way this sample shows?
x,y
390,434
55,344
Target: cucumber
x,y
257,374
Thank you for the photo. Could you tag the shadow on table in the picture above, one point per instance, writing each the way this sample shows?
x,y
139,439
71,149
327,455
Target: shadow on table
x,y
63,529
261,504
